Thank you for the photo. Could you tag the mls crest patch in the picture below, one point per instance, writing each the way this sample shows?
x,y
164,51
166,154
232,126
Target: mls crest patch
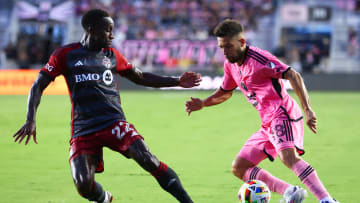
x,y
271,65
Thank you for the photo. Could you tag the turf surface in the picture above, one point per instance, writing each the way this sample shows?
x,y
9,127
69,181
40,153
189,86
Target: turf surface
x,y
200,148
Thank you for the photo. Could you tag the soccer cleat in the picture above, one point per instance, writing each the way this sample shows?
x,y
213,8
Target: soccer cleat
x,y
329,200
108,198
294,194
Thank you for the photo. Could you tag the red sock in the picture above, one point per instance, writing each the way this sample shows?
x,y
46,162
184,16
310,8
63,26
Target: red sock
x,y
170,182
161,170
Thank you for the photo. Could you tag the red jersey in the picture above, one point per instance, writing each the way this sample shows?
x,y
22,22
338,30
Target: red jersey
x,y
92,83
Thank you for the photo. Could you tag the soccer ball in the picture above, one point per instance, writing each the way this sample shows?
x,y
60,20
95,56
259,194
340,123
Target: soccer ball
x,y
254,191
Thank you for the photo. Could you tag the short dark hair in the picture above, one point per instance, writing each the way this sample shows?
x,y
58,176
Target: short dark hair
x,y
228,28
92,18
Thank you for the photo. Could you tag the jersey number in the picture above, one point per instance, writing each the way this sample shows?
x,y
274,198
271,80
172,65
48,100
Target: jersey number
x,y
280,130
122,129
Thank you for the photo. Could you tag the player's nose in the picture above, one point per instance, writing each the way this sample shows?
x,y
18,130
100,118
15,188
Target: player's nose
x,y
111,36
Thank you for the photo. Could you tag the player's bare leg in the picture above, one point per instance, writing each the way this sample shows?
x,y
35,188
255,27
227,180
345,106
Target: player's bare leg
x,y
166,177
240,166
246,170
306,174
83,172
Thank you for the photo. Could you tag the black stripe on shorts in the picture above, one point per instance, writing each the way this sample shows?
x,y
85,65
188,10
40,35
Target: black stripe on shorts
x,y
288,131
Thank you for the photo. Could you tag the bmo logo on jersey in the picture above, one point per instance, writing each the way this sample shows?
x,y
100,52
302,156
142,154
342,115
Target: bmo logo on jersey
x,y
86,77
107,77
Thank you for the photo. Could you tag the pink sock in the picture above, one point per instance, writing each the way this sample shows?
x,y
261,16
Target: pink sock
x,y
309,177
274,184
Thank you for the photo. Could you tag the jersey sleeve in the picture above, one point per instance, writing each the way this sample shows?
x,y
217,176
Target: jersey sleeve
x,y
274,68
56,64
122,65
229,83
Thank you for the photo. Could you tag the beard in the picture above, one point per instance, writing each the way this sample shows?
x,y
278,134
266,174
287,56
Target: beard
x,y
238,56
233,59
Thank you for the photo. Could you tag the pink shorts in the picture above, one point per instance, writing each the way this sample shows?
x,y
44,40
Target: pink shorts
x,y
118,137
269,141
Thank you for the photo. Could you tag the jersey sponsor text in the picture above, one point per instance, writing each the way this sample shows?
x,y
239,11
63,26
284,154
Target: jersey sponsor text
x,y
86,77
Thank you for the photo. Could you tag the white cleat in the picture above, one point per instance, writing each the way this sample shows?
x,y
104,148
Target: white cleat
x,y
329,200
108,198
294,194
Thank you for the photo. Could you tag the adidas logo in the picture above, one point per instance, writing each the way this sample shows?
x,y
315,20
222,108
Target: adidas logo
x,y
79,63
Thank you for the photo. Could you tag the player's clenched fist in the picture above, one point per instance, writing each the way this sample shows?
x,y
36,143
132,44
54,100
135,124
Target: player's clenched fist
x,y
194,104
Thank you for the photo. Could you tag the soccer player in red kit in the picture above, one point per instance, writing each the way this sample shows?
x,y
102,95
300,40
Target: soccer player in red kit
x,y
258,75
97,119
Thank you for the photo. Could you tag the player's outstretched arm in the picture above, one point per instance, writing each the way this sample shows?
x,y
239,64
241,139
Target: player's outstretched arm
x,y
298,85
29,128
186,80
195,104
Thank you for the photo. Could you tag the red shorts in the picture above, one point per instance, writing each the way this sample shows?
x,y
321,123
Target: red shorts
x,y
118,137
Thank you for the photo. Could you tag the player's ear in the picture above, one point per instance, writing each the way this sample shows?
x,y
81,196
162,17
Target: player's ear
x,y
242,41
90,29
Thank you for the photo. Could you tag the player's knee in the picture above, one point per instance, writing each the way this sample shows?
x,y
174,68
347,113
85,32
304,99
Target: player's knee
x,y
149,162
240,165
238,170
289,157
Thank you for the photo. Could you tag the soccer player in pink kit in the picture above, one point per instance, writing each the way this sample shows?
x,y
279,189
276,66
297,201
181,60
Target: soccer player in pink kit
x,y
258,74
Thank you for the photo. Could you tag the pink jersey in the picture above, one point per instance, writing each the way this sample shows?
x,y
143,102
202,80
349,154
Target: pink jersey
x,y
259,78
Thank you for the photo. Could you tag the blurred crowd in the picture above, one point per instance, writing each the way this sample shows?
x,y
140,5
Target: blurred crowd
x,y
305,57
139,20
171,19
33,47
142,27
313,56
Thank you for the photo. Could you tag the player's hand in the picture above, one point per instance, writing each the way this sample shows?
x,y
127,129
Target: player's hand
x,y
194,104
311,120
190,79
27,131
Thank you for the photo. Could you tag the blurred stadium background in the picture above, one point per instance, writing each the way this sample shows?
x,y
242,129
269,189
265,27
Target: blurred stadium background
x,y
316,37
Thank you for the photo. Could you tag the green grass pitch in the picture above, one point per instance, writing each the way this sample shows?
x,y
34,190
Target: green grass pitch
x,y
200,148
